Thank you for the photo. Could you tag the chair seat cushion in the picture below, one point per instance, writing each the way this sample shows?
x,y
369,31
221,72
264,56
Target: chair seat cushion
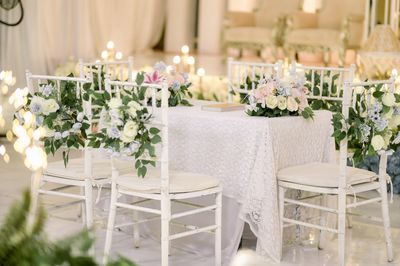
x,y
75,168
324,175
314,37
250,35
180,182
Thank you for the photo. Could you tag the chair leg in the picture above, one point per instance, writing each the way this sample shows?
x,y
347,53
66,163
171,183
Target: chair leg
x,y
110,224
218,222
136,232
35,186
349,218
322,222
88,203
386,219
81,207
165,218
342,226
281,195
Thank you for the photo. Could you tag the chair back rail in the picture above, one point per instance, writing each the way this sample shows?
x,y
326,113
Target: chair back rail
x,y
113,69
327,83
239,71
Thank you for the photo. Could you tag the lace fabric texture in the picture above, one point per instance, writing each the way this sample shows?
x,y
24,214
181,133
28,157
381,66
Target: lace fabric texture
x,y
245,153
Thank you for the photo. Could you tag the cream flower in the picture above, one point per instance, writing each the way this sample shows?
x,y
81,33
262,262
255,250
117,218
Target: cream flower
x,y
388,99
158,95
389,114
271,102
394,122
50,106
133,108
115,103
377,142
129,132
282,103
292,104
387,138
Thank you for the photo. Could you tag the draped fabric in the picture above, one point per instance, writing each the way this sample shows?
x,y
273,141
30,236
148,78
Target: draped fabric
x,y
53,31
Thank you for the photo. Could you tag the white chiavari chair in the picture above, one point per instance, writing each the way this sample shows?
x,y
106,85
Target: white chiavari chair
x,y
164,186
77,173
239,71
83,172
338,179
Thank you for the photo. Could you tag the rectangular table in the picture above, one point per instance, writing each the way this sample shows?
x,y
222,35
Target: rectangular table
x,y
245,153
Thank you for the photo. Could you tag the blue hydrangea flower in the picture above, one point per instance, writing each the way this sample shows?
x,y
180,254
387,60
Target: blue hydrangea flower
x,y
175,85
36,108
47,90
365,132
381,124
284,91
113,132
39,120
160,66
396,111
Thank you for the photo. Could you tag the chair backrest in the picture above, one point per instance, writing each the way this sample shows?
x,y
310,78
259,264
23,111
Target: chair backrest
x,y
115,88
333,12
355,94
244,76
267,12
35,84
324,83
115,70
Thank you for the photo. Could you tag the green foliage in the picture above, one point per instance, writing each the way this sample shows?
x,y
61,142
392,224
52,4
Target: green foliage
x,y
23,244
141,143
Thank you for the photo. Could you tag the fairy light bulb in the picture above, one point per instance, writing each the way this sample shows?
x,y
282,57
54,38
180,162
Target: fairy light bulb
x,y
104,55
185,49
110,45
191,60
118,55
201,72
176,59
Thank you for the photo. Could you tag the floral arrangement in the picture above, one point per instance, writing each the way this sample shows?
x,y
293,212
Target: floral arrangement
x,y
59,114
123,130
178,84
373,124
274,97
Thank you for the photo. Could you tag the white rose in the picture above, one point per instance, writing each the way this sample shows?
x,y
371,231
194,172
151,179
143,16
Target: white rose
x,y
271,102
388,99
80,117
50,106
36,105
387,138
394,122
57,135
389,114
377,142
133,108
48,132
115,103
292,104
282,103
129,132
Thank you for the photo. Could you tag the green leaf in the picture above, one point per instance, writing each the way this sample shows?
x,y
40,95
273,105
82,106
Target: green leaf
x,y
156,139
154,130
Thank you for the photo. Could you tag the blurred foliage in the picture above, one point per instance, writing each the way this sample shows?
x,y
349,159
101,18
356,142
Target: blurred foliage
x,y
26,244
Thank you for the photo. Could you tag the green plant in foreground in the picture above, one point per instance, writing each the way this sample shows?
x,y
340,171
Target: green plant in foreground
x,y
27,244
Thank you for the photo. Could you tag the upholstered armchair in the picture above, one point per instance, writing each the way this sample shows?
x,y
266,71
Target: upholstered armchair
x,y
338,26
262,28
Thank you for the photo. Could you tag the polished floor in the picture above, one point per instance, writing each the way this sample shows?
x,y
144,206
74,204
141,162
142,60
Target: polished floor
x,y
365,241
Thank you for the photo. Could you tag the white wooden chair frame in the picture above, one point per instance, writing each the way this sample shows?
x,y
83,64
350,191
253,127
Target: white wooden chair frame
x,y
39,178
238,71
111,69
165,197
343,190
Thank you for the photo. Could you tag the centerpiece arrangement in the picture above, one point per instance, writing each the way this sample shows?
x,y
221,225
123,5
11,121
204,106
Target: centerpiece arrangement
x,y
275,97
60,113
178,84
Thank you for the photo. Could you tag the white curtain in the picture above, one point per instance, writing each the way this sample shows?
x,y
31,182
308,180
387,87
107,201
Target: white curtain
x,y
55,30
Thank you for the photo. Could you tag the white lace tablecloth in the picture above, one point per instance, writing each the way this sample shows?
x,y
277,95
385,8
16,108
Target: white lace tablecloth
x,y
245,153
